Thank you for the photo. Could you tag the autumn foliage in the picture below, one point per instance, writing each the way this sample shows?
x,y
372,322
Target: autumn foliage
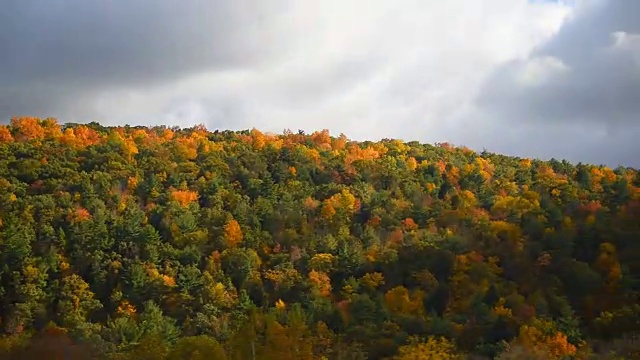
x,y
184,197
163,243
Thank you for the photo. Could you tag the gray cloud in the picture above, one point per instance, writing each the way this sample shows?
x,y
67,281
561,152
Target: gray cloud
x,y
584,83
125,42
368,68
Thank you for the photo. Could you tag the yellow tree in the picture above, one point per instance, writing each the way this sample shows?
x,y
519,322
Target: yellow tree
x,y
233,233
433,349
398,301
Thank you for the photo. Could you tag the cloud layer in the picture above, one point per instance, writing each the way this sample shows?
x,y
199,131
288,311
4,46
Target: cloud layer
x,y
502,75
579,92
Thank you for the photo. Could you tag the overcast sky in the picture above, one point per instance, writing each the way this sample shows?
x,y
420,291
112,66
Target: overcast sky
x,y
521,77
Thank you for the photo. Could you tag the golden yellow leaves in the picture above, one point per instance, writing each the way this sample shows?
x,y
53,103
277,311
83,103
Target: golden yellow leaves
x,y
372,280
283,278
510,232
126,143
399,301
63,263
187,148
504,206
525,163
435,348
280,305
218,294
453,175
343,201
412,163
322,262
467,199
257,138
233,233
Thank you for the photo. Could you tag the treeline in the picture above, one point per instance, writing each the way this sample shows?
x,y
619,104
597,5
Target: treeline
x,y
168,243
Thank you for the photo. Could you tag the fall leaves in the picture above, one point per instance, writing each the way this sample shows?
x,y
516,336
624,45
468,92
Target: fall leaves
x,y
368,249
184,197
232,233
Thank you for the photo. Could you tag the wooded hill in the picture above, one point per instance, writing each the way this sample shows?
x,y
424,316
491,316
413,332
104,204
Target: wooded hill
x,y
168,243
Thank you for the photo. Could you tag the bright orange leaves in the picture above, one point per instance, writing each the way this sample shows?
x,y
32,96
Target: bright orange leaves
x,y
184,197
5,134
311,203
356,153
322,139
555,346
80,137
27,128
321,283
79,214
409,224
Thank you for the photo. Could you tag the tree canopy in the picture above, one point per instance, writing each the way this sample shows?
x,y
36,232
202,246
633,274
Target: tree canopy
x,y
169,243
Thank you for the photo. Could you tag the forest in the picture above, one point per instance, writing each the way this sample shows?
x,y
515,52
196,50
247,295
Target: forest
x,y
183,243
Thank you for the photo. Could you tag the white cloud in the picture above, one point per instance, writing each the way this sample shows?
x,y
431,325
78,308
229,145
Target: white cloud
x,y
584,83
370,69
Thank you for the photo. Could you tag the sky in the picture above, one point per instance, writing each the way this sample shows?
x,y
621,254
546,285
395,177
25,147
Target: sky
x,y
530,78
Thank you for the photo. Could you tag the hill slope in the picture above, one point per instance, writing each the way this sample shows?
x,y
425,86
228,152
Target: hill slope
x,y
136,242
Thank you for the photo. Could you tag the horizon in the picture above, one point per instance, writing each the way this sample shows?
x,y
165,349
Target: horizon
x,y
529,78
333,135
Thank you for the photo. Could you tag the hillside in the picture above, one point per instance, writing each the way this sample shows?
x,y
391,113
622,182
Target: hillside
x,y
155,243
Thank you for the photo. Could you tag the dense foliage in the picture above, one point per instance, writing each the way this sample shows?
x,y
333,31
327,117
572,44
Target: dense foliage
x,y
159,243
